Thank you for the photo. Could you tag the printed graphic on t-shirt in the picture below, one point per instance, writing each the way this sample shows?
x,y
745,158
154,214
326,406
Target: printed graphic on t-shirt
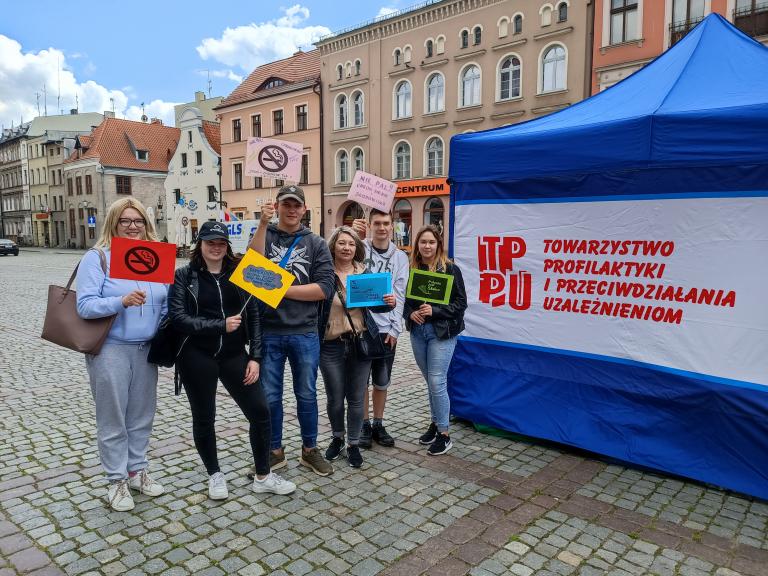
x,y
298,264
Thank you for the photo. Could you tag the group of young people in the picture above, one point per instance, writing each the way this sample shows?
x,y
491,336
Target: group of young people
x,y
227,336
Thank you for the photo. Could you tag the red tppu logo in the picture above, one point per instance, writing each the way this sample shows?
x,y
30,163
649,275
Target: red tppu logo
x,y
499,285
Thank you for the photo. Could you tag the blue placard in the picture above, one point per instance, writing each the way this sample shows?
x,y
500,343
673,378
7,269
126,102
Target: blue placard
x,y
368,289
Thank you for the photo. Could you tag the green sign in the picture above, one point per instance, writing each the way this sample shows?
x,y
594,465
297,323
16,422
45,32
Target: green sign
x,y
429,286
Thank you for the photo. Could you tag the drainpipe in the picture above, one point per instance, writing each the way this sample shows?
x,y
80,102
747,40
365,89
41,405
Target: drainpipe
x,y
318,89
590,48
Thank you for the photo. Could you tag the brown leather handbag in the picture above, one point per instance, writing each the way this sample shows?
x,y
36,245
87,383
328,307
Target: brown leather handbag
x,y
64,326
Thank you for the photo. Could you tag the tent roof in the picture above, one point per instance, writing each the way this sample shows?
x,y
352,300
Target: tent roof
x,y
703,102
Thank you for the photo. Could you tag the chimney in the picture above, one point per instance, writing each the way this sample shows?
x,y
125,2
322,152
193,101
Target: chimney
x,y
199,96
73,111
156,121
109,114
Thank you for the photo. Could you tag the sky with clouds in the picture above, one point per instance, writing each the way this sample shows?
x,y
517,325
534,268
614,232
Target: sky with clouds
x,y
60,56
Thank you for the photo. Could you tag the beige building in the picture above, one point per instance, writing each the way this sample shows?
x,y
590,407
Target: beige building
x,y
278,100
397,89
119,158
206,107
14,190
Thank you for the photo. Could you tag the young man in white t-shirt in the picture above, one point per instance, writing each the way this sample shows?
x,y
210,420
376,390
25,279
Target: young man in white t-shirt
x,y
381,255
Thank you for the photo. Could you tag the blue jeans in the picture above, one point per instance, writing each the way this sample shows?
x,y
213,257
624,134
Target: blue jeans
x,y
303,354
433,357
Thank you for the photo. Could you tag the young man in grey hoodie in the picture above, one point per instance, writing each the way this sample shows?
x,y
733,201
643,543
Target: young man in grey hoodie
x,y
290,330
381,255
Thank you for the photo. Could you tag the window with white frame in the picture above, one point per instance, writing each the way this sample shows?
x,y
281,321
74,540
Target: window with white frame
x,y
434,156
348,68
623,21
403,160
470,86
509,78
358,64
517,24
546,15
358,157
398,57
440,45
464,41
562,12
403,100
342,166
430,48
477,35
407,54
357,104
435,93
553,69
503,27
339,72
341,111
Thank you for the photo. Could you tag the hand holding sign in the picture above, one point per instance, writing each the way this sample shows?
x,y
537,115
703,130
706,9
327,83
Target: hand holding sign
x,y
372,191
429,287
142,260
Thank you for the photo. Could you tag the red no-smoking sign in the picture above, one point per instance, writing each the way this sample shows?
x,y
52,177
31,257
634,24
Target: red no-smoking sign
x,y
143,261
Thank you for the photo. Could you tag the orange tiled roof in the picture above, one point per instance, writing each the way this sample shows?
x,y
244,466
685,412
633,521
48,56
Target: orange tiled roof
x,y
300,66
113,141
212,131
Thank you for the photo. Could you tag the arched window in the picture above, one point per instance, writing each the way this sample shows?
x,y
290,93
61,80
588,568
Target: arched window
x,y
434,156
440,44
477,34
509,78
434,213
403,100
398,56
464,38
403,160
470,86
357,104
402,214
339,72
359,159
562,12
435,93
352,212
343,166
546,15
553,69
341,111
357,67
349,69
518,24
430,48
503,27
407,54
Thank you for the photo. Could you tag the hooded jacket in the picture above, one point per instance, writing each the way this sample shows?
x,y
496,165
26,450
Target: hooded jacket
x,y
311,263
394,261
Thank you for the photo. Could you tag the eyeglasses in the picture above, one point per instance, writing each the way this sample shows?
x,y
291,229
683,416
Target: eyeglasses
x,y
126,222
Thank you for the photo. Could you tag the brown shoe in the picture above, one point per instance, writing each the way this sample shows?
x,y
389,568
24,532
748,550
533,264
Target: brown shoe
x,y
312,458
276,461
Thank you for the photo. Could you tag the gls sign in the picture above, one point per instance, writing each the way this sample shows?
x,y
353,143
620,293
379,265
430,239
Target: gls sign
x,y
499,284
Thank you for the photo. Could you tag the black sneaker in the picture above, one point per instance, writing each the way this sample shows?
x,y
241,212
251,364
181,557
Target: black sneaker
x,y
365,435
441,445
354,457
335,449
429,436
381,436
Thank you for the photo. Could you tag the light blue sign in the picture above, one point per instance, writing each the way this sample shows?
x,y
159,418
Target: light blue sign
x,y
368,289
192,205
181,202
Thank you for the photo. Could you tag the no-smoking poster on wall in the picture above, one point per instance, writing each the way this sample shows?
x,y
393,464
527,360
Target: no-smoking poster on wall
x,y
269,158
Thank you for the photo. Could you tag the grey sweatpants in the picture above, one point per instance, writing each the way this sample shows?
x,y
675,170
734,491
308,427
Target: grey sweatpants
x,y
124,387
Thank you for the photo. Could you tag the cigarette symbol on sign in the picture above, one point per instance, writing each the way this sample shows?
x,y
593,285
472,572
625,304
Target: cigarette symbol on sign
x,y
272,158
142,260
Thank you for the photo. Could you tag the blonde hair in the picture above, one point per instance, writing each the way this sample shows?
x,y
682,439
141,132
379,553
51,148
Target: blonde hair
x,y
441,260
109,229
359,246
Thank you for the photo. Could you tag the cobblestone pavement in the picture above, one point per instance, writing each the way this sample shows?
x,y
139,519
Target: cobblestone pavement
x,y
491,506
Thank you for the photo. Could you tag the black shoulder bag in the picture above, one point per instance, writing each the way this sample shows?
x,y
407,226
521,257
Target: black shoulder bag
x,y
369,344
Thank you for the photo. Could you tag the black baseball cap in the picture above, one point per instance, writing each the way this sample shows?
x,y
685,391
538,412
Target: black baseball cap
x,y
294,192
213,231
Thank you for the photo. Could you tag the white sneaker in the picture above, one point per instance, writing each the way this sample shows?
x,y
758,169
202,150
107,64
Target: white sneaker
x,y
119,496
217,487
274,484
143,482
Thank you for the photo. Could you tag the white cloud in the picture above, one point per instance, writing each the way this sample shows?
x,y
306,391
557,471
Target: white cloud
x,y
385,11
23,74
247,47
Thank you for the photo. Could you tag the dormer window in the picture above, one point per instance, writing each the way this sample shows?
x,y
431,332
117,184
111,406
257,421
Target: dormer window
x,y
142,155
272,83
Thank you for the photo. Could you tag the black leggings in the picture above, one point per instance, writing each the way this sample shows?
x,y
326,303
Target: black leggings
x,y
200,374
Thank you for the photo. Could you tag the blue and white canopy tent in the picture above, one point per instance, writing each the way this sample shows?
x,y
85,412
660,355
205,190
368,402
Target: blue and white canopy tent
x,y
616,261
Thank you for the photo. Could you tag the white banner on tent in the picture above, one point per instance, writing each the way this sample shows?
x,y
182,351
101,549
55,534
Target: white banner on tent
x,y
674,283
